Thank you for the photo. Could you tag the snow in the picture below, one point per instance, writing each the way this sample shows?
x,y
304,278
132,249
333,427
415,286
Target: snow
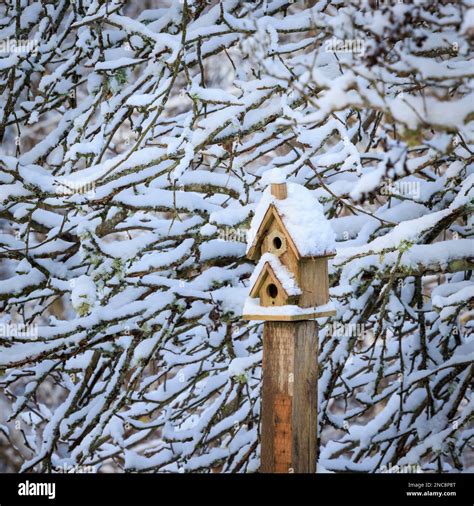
x,y
276,176
24,267
17,283
141,100
118,63
303,217
367,183
133,291
217,248
468,21
365,433
161,259
252,307
230,216
83,292
213,95
240,365
418,257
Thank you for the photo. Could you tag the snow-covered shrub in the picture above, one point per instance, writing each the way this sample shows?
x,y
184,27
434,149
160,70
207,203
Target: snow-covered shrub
x,y
135,145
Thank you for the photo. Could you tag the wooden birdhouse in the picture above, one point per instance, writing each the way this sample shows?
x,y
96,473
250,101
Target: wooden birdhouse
x,y
292,241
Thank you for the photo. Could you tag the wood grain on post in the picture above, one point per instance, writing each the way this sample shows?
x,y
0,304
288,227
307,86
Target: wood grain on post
x,y
289,397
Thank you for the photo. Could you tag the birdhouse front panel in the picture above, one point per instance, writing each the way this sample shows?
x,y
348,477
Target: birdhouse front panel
x,y
273,284
272,293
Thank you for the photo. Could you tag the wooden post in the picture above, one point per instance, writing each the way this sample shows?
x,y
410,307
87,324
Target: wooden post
x,y
289,397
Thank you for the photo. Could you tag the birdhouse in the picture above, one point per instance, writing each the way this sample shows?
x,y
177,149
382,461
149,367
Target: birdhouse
x,y
291,240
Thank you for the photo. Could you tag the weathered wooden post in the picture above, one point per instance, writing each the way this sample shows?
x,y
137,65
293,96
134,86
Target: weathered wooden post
x,y
289,288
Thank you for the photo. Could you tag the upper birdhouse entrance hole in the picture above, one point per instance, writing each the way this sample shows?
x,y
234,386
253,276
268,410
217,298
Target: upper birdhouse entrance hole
x,y
272,291
275,243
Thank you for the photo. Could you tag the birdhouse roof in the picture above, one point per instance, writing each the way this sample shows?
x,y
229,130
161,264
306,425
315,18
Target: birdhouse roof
x,y
302,217
269,262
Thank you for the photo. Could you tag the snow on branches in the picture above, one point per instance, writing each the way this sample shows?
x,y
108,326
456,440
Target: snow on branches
x,y
135,145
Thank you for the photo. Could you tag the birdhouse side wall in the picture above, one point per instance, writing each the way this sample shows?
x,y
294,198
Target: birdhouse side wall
x,y
314,281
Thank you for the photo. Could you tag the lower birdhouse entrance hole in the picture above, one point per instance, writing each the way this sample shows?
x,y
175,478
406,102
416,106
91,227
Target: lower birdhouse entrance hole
x,y
272,291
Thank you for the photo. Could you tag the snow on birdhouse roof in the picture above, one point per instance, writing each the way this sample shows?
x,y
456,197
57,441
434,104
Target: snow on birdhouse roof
x,y
303,218
284,276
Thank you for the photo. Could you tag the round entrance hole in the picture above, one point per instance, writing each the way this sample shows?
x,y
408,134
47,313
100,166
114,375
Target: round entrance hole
x,y
272,291
277,242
